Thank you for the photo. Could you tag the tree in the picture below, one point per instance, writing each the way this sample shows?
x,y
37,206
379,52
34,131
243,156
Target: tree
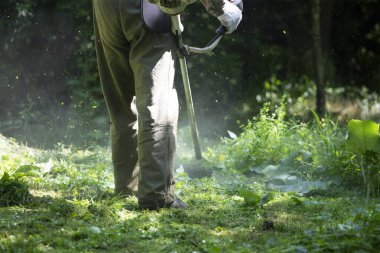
x,y
318,56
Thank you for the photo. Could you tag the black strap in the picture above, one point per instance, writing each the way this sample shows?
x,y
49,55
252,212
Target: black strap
x,y
154,19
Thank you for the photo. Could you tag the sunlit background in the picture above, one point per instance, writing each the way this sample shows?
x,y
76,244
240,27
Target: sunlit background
x,y
50,91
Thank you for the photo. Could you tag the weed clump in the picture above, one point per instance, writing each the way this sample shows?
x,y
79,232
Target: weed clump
x,y
13,191
284,150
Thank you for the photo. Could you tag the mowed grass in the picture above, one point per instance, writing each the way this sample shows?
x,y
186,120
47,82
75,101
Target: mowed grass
x,y
71,208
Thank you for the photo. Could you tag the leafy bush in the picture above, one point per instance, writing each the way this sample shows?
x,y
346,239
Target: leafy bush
x,y
317,150
260,141
269,138
13,191
364,146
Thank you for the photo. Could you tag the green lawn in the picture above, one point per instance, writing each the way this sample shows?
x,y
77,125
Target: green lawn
x,y
61,201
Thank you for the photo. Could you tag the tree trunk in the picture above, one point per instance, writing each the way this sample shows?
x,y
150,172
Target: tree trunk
x,y
327,7
318,56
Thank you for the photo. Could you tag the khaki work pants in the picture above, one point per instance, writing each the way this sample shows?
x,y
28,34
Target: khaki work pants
x,y
132,62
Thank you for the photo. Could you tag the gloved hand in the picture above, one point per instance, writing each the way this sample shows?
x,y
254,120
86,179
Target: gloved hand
x,y
231,17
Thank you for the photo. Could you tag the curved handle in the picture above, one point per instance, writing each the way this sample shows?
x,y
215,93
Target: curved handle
x,y
186,50
221,30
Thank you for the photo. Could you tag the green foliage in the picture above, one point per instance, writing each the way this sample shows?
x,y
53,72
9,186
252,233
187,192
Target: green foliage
x,y
300,94
71,207
50,88
271,139
13,191
326,142
260,142
363,136
253,199
295,156
364,143
357,234
250,198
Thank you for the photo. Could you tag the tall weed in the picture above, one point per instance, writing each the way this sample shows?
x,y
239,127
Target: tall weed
x,y
266,139
315,150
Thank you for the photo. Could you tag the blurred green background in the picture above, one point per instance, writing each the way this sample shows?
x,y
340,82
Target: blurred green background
x,y
50,91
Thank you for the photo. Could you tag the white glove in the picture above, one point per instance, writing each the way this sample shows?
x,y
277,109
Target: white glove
x,y
231,17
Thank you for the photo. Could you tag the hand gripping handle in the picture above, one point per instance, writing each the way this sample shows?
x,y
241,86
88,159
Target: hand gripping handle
x,y
222,29
186,50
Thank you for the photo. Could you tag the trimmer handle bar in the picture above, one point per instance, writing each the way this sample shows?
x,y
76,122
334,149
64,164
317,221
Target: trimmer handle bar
x,y
186,50
183,51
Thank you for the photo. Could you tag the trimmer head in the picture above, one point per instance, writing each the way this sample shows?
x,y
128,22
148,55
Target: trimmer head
x,y
197,169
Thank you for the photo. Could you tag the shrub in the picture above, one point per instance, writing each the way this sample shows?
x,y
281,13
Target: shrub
x,y
316,150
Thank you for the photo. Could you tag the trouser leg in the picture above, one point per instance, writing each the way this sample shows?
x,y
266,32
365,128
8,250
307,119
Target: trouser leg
x,y
118,89
152,60
129,53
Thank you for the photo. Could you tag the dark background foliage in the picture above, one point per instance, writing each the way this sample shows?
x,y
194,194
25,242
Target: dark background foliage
x,y
49,87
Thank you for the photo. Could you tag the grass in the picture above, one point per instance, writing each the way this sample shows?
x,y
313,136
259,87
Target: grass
x,y
70,208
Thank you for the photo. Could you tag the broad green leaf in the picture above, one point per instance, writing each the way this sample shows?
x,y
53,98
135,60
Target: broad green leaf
x,y
251,198
363,136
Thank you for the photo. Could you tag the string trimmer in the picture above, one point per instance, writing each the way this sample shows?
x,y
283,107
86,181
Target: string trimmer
x,y
183,52
155,19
